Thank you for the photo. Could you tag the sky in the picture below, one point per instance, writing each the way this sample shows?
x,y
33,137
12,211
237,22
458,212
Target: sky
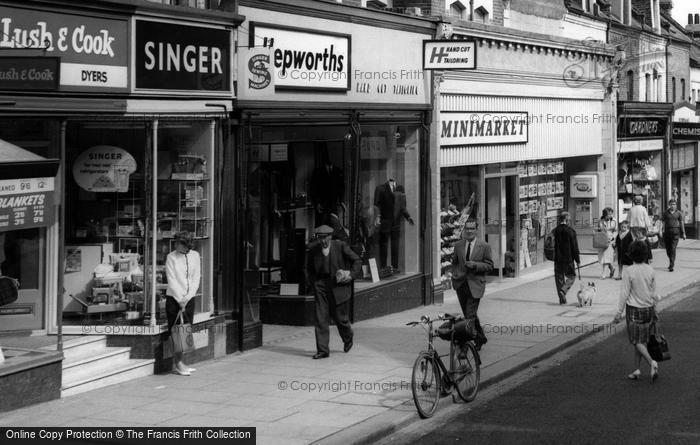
x,y
681,9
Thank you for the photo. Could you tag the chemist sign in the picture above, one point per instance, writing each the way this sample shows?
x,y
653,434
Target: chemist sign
x,y
104,168
449,54
171,57
26,203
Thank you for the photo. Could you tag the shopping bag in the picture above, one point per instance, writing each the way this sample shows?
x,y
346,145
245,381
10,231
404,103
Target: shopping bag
x,y
657,345
601,240
181,333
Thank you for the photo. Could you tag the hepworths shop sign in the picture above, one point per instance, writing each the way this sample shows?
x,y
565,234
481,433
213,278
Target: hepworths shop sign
x,y
93,51
302,60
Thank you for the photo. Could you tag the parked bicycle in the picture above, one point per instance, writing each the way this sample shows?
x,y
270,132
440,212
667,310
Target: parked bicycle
x,y
431,379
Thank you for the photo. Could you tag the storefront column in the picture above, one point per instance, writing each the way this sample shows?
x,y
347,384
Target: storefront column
x,y
434,164
150,260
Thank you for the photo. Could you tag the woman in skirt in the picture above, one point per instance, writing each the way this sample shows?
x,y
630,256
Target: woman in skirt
x,y
638,298
606,256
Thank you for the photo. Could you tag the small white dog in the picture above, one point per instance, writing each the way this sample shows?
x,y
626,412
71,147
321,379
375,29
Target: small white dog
x,y
586,293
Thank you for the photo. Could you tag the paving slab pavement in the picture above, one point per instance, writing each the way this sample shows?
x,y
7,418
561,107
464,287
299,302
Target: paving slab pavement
x,y
361,396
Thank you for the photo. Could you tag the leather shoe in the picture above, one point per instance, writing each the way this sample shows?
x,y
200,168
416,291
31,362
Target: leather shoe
x,y
347,346
179,371
319,355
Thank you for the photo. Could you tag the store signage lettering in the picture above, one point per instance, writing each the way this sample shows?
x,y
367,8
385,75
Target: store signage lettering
x,y
303,59
179,57
92,51
476,128
104,168
686,131
29,73
258,67
449,54
641,127
26,203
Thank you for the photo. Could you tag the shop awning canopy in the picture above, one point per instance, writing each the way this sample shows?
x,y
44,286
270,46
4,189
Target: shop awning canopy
x,y
18,163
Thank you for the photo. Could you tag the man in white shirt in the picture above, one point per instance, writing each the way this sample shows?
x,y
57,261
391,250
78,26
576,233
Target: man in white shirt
x,y
183,271
638,218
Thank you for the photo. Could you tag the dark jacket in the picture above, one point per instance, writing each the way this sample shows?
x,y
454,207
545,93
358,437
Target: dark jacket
x,y
341,257
565,249
673,224
475,278
623,248
400,210
327,187
384,202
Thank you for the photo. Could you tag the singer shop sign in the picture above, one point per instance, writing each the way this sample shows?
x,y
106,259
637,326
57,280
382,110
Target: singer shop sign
x,y
93,51
179,57
302,60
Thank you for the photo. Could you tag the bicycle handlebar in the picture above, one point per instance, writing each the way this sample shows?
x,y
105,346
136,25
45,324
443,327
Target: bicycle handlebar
x,y
425,319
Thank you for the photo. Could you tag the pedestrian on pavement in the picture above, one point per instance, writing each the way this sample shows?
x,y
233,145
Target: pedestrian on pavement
x,y
655,232
638,298
471,261
606,256
565,254
623,241
673,229
638,218
330,268
183,272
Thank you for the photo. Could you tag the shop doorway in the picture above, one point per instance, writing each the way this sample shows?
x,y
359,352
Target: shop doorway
x,y
22,258
682,189
501,229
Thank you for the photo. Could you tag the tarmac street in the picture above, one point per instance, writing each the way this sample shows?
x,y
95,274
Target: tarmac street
x,y
365,394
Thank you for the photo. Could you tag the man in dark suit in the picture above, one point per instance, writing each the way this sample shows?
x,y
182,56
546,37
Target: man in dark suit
x,y
565,254
330,267
471,261
384,201
673,230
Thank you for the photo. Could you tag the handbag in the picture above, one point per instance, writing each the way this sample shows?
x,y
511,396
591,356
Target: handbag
x,y
601,240
181,334
657,345
9,290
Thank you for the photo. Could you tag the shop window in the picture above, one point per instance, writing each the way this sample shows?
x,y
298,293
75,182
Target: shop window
x,y
647,87
459,198
639,174
683,97
111,202
673,89
542,194
298,178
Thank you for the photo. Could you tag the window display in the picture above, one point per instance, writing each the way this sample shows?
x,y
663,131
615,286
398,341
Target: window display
x,y
298,178
640,174
110,201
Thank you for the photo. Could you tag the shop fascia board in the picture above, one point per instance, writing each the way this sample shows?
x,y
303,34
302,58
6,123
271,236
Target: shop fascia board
x,y
348,14
213,107
485,86
131,7
524,40
645,108
53,104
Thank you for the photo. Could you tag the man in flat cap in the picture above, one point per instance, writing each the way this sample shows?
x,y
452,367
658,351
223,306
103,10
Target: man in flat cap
x,y
471,262
330,268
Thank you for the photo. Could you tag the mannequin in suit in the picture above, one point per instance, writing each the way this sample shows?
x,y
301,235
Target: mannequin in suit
x,y
384,202
471,261
327,187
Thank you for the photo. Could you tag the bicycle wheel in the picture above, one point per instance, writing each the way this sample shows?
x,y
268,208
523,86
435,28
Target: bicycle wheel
x,y
425,384
465,368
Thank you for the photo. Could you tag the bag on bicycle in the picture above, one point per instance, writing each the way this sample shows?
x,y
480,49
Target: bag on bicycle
x,y
458,330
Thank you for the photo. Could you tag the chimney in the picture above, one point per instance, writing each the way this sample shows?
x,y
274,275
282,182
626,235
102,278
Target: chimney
x,y
690,19
697,19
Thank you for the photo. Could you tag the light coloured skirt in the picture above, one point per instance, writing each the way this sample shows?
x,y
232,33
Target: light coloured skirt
x,y
639,322
606,256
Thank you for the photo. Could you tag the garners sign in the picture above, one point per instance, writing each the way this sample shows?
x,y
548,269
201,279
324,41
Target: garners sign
x,y
179,57
305,60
